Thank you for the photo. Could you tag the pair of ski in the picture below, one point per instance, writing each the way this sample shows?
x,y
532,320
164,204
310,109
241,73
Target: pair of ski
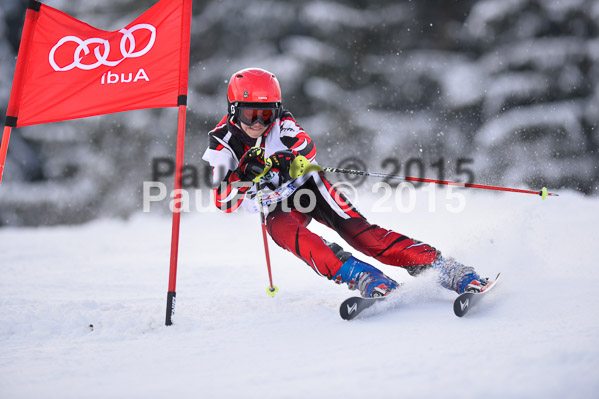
x,y
352,307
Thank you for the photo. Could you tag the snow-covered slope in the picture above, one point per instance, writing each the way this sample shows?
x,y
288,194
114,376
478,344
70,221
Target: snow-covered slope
x,y
536,336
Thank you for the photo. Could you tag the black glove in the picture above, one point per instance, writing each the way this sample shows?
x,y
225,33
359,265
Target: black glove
x,y
251,164
281,161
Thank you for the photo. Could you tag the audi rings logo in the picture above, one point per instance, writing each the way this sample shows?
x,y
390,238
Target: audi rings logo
x,y
127,47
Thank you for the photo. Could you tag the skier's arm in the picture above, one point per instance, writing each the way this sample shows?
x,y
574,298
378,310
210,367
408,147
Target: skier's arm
x,y
230,193
231,190
295,138
225,184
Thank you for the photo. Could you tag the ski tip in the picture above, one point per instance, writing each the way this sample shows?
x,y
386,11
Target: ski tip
x,y
461,305
349,308
464,301
352,307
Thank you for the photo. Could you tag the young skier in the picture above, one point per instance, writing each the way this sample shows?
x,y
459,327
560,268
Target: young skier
x,y
256,129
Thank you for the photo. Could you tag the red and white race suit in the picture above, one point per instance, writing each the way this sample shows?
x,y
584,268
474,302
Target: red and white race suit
x,y
308,197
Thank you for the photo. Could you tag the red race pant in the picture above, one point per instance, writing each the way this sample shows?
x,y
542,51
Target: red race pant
x,y
287,227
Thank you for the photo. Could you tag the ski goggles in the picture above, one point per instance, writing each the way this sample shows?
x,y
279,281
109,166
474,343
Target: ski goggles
x,y
264,116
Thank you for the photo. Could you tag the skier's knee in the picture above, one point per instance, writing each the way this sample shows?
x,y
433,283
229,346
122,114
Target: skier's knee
x,y
415,271
339,252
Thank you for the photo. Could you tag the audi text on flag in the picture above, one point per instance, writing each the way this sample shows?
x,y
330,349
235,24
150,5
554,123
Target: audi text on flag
x,y
73,70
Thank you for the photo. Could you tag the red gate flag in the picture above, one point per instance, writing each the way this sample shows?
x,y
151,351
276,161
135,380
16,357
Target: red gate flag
x,y
67,69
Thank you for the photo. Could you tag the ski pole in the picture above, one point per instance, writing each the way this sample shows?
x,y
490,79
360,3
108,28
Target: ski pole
x,y
271,289
303,166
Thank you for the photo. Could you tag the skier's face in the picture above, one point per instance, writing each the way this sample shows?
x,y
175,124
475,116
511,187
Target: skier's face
x,y
254,131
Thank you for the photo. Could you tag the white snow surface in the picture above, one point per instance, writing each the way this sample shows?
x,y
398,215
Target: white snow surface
x,y
535,336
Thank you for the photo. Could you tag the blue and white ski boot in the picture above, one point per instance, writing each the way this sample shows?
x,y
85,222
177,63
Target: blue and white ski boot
x,y
368,279
455,276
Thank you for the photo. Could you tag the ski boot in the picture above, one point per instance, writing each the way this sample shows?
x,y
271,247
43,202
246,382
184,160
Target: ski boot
x,y
368,279
477,286
457,277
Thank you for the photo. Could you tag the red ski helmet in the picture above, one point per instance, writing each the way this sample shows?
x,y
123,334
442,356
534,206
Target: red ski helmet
x,y
254,95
